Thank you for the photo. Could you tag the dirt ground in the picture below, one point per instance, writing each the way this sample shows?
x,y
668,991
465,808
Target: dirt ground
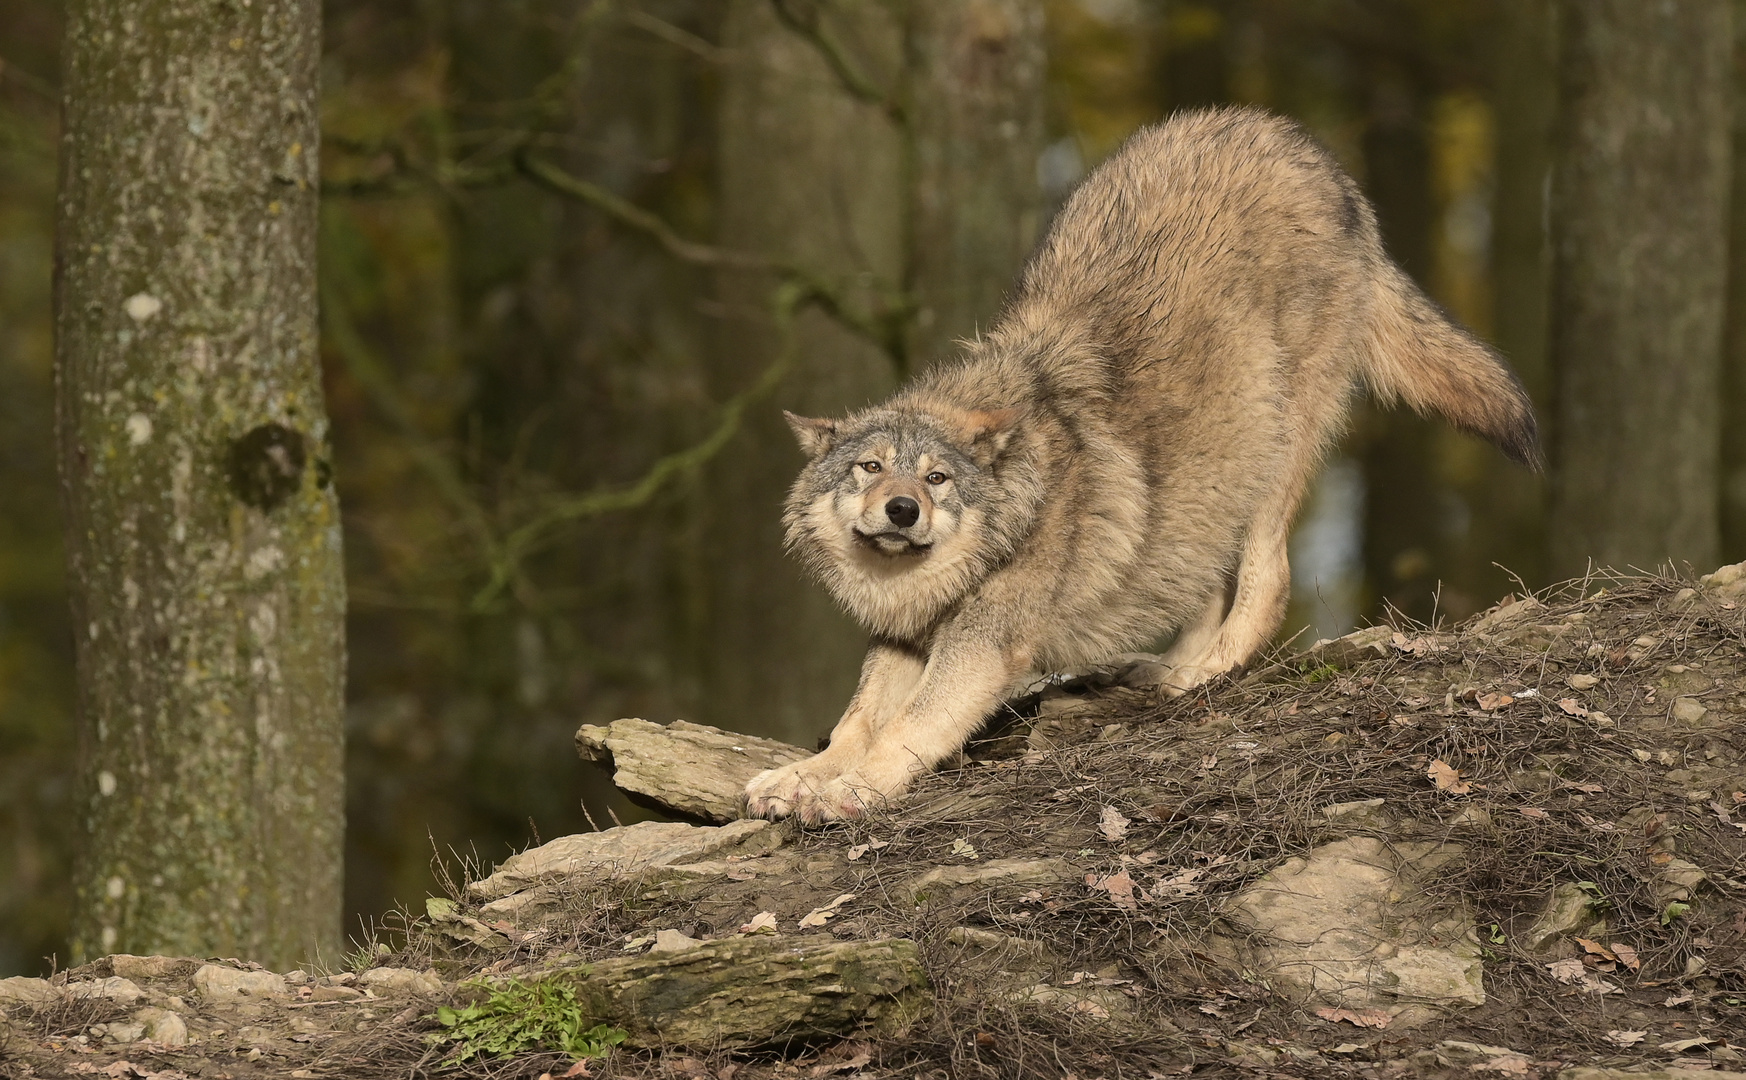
x,y
1588,738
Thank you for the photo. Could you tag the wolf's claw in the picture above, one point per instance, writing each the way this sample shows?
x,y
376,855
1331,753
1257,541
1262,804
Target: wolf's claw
x,y
814,795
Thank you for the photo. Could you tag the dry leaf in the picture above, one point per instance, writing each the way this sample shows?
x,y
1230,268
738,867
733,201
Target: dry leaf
x,y
1724,814
1372,1018
861,1059
1627,956
1447,779
1220,1009
1568,970
764,922
963,847
1572,706
578,1069
1680,1046
1596,948
822,915
1675,1001
1535,812
1586,789
1514,1064
857,851
1626,1038
1113,824
1119,886
1493,702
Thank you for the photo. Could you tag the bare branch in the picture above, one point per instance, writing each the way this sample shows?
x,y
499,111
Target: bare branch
x,y
802,17
370,374
786,301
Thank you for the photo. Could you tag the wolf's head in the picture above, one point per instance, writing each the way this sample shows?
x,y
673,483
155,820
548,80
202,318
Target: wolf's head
x,y
893,511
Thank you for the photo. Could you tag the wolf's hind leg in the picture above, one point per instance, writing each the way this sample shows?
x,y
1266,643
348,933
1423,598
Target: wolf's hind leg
x,y
1257,608
1195,638
890,677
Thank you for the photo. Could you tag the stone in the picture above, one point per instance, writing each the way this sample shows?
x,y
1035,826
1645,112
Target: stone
x,y
162,1027
757,990
445,916
1679,880
116,989
396,982
691,768
673,941
151,967
119,1032
1370,643
1689,710
334,993
1348,925
1358,814
1505,616
624,852
226,985
1569,912
1005,875
1726,583
19,990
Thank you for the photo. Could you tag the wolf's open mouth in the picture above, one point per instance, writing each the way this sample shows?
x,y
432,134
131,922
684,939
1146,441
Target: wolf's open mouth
x,y
890,543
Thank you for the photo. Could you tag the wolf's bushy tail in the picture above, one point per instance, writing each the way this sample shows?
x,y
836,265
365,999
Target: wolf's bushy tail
x,y
1415,353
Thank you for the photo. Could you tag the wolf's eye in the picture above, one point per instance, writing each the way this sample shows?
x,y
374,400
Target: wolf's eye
x,y
937,477
871,466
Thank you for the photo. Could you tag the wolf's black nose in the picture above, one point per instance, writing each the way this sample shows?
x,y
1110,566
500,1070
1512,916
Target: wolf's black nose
x,y
903,511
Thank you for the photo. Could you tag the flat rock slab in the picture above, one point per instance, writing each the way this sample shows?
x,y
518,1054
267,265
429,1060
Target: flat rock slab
x,y
1348,926
623,852
757,990
691,768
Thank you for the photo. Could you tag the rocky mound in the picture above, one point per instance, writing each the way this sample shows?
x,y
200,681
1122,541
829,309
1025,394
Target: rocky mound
x,y
1515,848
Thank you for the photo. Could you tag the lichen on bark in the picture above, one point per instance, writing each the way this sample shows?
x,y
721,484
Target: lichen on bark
x,y
202,527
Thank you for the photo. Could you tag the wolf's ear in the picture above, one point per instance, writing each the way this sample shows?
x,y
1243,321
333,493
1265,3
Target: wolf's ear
x,y
816,436
987,431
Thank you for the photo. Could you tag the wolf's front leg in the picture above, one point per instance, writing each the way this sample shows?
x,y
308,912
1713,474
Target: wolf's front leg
x,y
961,686
889,677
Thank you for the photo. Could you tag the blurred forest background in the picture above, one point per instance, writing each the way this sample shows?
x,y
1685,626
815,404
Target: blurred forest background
x,y
576,254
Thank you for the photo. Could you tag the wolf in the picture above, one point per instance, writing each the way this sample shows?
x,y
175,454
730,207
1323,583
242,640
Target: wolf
x,y
1121,455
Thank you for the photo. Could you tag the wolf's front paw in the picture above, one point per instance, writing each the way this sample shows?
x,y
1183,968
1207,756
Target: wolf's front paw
x,y
847,797
778,793
1184,677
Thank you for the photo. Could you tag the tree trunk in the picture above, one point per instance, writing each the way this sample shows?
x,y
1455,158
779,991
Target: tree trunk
x,y
202,528
909,163
1639,233
1733,466
1404,505
977,70
812,174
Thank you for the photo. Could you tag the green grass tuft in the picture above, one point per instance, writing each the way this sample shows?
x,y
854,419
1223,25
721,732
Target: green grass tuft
x,y
519,1016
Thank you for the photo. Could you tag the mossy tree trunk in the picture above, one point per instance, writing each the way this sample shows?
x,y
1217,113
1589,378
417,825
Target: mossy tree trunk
x,y
1639,235
202,529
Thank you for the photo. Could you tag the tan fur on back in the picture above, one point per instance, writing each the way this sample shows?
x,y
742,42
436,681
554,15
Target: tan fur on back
x,y
1179,355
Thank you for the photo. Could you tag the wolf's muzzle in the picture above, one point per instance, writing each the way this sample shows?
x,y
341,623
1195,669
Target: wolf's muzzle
x,y
903,511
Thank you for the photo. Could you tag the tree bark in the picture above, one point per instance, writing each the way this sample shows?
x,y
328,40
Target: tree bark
x,y
1733,465
977,71
1404,503
1639,234
810,173
202,527
905,162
